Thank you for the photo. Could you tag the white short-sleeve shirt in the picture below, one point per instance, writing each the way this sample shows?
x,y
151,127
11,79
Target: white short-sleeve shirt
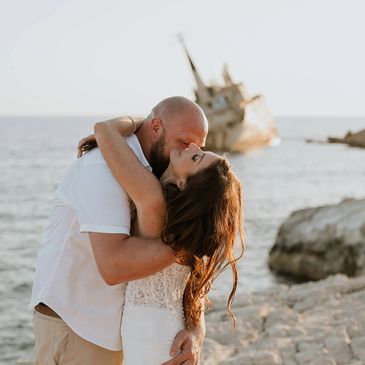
x,y
88,199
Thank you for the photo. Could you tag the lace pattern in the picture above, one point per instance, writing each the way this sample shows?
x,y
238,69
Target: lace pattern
x,y
164,289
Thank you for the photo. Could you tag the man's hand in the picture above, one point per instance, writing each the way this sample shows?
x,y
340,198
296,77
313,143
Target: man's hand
x,y
187,347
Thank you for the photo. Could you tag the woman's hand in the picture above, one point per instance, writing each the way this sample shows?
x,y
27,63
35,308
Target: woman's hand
x,y
86,144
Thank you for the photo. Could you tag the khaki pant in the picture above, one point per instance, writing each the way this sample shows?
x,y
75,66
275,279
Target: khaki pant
x,y
57,344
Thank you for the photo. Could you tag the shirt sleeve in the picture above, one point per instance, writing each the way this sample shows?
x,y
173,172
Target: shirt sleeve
x,y
101,204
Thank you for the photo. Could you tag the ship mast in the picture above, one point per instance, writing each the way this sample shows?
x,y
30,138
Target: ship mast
x,y
202,92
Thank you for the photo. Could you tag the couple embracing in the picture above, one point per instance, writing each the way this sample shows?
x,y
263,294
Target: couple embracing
x,y
139,229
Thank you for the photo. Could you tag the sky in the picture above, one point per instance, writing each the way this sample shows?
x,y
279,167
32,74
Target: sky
x,y
112,57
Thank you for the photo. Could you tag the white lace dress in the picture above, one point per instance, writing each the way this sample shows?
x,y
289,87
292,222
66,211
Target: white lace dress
x,y
153,315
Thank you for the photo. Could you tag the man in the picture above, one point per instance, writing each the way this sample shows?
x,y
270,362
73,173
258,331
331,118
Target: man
x,y
77,311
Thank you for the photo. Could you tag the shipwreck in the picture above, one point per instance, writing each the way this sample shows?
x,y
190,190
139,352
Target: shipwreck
x,y
237,121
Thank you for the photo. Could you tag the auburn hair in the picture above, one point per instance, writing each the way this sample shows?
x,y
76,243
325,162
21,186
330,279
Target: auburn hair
x,y
203,221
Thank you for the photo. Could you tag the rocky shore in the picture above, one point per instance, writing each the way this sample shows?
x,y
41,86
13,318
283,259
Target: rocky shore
x,y
317,323
316,242
352,139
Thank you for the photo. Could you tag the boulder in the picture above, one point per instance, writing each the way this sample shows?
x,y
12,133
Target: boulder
x,y
316,242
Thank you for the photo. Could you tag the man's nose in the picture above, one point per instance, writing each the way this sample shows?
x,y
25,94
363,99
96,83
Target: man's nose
x,y
193,146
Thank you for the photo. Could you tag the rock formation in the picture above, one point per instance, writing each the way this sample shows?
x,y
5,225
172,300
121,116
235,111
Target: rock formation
x,y
351,139
316,242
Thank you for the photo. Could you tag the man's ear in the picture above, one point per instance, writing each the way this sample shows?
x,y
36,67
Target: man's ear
x,y
156,129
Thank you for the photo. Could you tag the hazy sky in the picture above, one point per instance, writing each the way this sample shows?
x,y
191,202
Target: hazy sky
x,y
114,56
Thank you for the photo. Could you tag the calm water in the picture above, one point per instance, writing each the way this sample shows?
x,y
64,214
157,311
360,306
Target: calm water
x,y
34,153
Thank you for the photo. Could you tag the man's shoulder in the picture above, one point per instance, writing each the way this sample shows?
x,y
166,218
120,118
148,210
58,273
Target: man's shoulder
x,y
95,157
88,166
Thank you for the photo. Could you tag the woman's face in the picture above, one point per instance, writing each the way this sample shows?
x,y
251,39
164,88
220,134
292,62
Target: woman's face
x,y
190,160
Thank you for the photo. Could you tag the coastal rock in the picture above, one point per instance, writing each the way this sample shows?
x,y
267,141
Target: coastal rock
x,y
325,331
351,139
316,242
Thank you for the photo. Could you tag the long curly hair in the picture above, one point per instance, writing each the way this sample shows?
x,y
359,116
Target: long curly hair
x,y
203,221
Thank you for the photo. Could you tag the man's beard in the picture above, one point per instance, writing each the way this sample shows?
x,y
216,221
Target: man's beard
x,y
158,161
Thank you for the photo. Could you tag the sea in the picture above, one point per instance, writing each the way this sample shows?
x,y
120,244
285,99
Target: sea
x,y
36,151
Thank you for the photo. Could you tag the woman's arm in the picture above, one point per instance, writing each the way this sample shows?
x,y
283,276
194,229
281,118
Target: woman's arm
x,y
138,182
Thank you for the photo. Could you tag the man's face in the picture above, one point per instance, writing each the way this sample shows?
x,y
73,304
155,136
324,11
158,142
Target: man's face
x,y
176,136
180,135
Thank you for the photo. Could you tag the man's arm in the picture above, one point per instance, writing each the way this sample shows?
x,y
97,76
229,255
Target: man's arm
x,y
103,211
121,258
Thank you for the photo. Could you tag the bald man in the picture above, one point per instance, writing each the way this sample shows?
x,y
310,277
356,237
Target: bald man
x,y
77,311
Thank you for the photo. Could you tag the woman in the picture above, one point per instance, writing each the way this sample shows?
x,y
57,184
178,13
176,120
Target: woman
x,y
203,217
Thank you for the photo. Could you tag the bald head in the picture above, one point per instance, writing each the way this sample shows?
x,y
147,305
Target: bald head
x,y
180,111
173,124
